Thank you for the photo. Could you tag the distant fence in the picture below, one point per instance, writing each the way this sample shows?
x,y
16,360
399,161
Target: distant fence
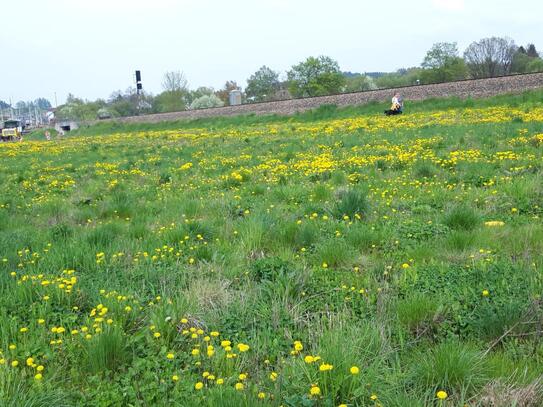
x,y
474,88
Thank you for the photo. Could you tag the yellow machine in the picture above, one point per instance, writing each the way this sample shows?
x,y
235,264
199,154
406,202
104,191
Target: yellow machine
x,y
12,130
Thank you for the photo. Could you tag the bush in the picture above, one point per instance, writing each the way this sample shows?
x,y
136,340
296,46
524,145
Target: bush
x,y
205,102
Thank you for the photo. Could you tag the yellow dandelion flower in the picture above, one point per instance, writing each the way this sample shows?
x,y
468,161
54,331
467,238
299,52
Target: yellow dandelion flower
x,y
324,367
442,394
243,347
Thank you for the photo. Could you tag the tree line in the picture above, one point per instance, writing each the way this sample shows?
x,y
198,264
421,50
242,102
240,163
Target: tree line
x,y
316,76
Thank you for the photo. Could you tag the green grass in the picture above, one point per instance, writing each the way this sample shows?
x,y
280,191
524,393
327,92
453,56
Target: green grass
x,y
528,99
374,260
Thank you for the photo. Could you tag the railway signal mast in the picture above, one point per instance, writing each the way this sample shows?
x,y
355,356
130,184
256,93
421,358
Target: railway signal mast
x,y
139,91
139,86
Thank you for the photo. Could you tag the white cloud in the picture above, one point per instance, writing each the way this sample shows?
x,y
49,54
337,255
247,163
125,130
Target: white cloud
x,y
451,5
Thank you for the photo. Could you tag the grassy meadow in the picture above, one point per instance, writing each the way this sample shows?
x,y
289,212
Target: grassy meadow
x,y
333,258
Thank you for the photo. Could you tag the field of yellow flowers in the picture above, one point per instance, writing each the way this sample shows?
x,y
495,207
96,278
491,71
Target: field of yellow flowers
x,y
348,261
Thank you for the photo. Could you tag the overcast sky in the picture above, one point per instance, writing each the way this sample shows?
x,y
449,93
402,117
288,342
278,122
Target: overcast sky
x,y
92,47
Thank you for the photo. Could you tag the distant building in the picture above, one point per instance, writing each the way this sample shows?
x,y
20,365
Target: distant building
x,y
50,116
66,125
235,97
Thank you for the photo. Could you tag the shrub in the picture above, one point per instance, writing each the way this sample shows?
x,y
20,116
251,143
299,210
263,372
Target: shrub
x,y
205,102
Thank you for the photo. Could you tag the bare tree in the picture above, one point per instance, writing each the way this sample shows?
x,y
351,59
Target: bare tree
x,y
490,57
174,81
175,95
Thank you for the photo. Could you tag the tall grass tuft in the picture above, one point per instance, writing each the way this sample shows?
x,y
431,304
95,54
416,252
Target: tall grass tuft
x,y
350,201
106,351
417,313
462,217
450,365
16,392
335,253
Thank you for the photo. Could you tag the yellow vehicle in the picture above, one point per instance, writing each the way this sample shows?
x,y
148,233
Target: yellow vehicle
x,y
12,130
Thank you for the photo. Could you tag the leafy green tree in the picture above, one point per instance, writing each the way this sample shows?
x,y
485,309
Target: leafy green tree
x,y
42,103
440,54
402,77
442,64
531,51
262,85
358,83
129,103
315,77
78,109
526,60
535,65
520,61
